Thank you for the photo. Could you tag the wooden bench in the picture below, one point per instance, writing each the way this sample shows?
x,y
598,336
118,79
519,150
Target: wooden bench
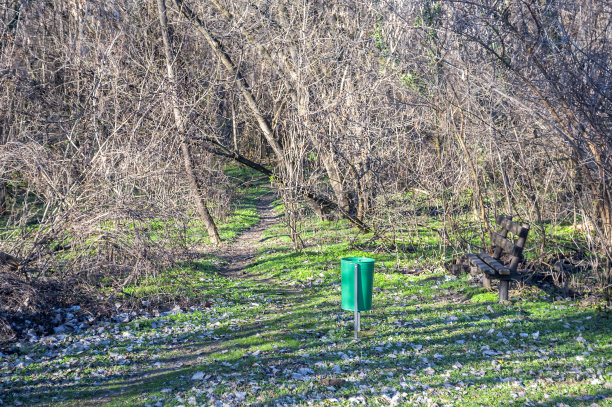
x,y
492,267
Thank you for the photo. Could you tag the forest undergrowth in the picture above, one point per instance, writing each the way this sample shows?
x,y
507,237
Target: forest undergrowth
x,y
275,335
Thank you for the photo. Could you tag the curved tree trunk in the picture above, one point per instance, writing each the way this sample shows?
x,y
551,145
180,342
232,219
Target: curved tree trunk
x,y
262,123
205,216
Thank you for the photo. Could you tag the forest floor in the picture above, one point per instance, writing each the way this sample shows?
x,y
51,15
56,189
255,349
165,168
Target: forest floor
x,y
238,254
269,331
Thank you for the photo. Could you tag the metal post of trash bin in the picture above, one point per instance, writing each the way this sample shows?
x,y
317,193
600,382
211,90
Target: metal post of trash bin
x,y
356,300
358,271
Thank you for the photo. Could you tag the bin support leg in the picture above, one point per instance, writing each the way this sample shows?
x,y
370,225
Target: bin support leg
x,y
359,322
356,304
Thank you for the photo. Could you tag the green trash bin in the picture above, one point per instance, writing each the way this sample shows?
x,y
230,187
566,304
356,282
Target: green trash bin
x,y
365,281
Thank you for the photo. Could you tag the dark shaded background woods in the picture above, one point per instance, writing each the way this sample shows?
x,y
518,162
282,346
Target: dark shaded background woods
x,y
355,110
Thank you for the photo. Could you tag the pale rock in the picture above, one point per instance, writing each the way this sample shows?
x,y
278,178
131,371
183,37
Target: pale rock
x,y
357,400
305,371
298,376
394,400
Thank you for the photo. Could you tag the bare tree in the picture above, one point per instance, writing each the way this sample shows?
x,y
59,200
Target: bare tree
x,y
179,120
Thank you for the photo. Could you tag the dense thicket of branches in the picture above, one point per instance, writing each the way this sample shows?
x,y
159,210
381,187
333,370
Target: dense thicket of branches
x,y
353,108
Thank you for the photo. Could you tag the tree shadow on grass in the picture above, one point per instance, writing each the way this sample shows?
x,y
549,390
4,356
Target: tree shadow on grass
x,y
297,326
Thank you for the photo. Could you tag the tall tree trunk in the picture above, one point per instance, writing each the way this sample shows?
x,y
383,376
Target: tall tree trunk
x,y
241,82
209,222
264,126
284,73
203,211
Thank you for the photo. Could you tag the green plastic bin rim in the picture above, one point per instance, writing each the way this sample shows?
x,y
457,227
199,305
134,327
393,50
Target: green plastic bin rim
x,y
358,259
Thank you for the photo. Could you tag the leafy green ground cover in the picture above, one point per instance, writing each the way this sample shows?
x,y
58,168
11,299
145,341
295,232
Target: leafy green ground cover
x,y
198,279
278,337
247,188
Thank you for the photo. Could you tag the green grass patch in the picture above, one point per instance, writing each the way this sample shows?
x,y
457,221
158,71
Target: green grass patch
x,y
278,337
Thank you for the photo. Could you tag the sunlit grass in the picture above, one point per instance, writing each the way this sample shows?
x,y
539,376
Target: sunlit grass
x,y
276,336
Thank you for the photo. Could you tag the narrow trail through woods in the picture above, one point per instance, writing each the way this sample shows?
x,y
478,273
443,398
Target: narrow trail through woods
x,y
237,255
241,252
270,331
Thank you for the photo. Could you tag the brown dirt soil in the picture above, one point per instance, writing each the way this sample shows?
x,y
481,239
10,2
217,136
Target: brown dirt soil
x,y
240,253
